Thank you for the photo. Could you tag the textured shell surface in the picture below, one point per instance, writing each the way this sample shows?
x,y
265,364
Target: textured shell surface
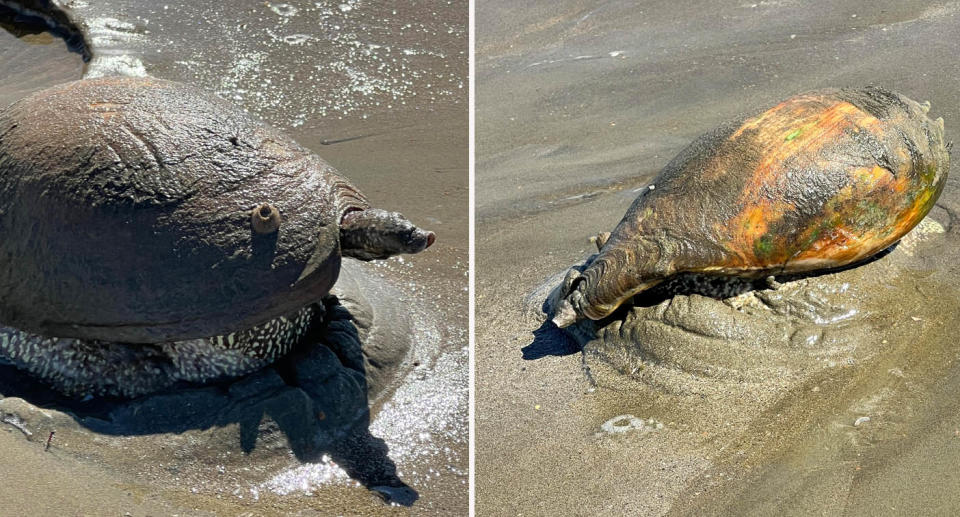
x,y
126,214
821,180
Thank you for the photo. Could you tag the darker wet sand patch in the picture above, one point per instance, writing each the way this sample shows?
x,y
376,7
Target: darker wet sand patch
x,y
35,54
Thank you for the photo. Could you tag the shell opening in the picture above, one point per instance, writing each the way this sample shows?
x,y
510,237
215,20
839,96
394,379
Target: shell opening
x,y
265,218
349,210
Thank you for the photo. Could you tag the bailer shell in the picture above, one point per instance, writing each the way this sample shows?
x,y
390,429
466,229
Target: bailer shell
x,y
822,180
142,210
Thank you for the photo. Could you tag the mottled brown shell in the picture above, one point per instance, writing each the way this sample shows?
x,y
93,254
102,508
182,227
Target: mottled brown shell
x,y
821,180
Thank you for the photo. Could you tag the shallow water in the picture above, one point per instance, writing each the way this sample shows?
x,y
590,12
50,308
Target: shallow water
x,y
580,105
380,93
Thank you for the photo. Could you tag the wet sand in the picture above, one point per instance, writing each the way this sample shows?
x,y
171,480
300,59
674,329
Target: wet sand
x,y
378,93
32,59
580,105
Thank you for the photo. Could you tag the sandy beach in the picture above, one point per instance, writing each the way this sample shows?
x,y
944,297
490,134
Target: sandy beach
x,y
833,394
579,106
379,94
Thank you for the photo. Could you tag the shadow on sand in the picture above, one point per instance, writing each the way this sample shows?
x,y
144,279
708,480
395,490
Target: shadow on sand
x,y
316,397
550,340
